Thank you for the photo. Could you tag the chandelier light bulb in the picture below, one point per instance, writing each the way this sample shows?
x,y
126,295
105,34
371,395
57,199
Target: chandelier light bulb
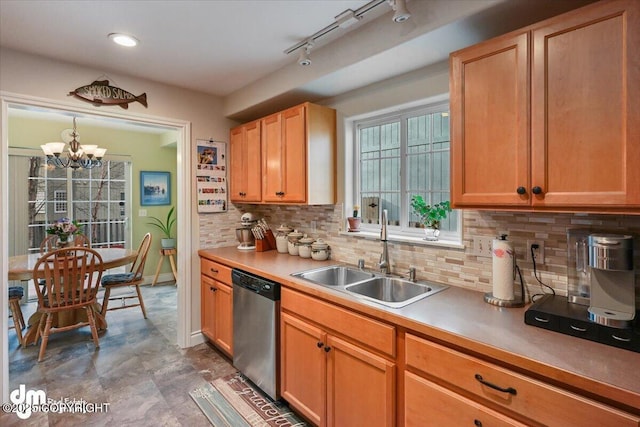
x,y
78,156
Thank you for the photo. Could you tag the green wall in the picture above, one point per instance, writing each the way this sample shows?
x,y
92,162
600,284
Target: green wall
x,y
147,151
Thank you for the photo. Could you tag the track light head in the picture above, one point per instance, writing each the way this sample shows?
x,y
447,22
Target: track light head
x,y
401,13
304,59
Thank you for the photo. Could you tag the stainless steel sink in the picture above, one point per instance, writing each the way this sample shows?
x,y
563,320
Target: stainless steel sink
x,y
393,292
335,275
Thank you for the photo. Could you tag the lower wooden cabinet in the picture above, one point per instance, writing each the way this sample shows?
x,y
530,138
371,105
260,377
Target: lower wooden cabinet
x,y
333,382
217,313
428,404
491,386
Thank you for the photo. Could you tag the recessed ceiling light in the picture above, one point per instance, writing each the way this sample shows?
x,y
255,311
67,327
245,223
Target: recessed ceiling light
x,y
123,39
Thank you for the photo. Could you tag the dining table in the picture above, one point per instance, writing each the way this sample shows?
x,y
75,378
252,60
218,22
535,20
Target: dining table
x,y
21,267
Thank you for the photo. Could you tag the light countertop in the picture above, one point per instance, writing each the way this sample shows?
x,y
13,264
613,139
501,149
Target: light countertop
x,y
462,319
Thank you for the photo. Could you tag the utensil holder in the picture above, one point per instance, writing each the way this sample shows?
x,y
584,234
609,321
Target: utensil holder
x,y
266,244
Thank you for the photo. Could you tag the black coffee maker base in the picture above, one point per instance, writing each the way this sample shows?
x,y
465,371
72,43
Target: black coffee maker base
x,y
555,313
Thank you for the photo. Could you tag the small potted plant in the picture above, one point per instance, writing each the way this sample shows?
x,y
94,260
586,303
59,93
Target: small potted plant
x,y
354,221
166,226
430,215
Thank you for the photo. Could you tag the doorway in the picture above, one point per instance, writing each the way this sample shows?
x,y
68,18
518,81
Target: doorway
x,y
183,193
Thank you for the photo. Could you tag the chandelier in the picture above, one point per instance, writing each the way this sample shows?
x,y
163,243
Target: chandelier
x,y
79,156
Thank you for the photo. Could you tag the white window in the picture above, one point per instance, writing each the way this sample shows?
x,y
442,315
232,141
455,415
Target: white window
x,y
96,198
59,201
398,155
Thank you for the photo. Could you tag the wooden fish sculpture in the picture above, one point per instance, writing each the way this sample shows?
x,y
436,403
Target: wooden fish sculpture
x,y
101,93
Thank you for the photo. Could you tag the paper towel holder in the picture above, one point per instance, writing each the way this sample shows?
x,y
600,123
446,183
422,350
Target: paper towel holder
x,y
519,297
518,301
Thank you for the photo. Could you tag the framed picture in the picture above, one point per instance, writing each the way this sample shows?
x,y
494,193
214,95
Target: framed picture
x,y
155,188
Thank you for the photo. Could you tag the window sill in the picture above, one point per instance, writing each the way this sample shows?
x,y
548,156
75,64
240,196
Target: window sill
x,y
451,244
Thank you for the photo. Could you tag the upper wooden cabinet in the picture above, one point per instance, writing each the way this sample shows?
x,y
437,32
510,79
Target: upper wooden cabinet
x,y
287,157
547,118
245,175
298,155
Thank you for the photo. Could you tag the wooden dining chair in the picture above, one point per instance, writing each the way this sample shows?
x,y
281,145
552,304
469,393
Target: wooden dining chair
x,y
71,281
51,241
134,277
15,295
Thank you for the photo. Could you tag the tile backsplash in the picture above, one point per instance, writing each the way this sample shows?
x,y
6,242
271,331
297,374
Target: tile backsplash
x,y
455,267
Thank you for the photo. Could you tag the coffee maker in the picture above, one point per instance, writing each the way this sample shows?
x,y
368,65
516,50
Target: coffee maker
x,y
611,280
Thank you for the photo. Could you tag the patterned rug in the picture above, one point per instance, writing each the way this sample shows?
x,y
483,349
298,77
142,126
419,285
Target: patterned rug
x,y
233,401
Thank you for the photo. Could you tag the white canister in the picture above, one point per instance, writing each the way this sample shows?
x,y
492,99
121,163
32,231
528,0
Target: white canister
x,y
320,250
292,244
282,240
304,247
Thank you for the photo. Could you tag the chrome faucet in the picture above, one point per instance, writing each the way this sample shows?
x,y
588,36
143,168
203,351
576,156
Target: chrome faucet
x,y
412,274
384,265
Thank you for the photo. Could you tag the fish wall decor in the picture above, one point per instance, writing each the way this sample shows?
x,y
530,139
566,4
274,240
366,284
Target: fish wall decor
x,y
101,93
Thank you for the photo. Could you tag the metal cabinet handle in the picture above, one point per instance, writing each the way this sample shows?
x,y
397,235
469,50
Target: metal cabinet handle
x,y
213,270
540,319
576,328
536,190
521,190
214,289
620,338
477,423
327,349
320,344
279,193
509,390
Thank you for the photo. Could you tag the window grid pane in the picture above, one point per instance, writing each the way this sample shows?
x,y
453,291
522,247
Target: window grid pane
x,y
425,143
97,201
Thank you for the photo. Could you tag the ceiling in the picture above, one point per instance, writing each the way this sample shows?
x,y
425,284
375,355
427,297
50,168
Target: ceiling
x,y
234,49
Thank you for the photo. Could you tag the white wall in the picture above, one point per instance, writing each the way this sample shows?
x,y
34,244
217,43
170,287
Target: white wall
x,y
27,76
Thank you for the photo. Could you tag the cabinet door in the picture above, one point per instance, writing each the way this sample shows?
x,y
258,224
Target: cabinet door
x,y
427,404
223,318
585,108
272,149
207,308
360,387
237,166
245,166
294,164
303,368
490,124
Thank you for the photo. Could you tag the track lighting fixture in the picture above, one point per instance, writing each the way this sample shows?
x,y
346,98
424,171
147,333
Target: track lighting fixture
x,y
342,21
304,59
401,13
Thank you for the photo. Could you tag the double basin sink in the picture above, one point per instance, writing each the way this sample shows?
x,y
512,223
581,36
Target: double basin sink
x,y
390,291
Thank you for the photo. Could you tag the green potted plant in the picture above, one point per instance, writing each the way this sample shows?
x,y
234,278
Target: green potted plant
x,y
354,221
166,226
430,215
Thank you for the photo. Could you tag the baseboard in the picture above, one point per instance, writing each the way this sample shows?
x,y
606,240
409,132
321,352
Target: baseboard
x,y
196,338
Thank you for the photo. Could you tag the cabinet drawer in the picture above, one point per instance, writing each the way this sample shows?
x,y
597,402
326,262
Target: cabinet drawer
x,y
522,395
215,270
428,404
378,336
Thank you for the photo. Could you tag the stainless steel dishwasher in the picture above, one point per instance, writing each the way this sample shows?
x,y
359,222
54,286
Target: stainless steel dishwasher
x,y
256,330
